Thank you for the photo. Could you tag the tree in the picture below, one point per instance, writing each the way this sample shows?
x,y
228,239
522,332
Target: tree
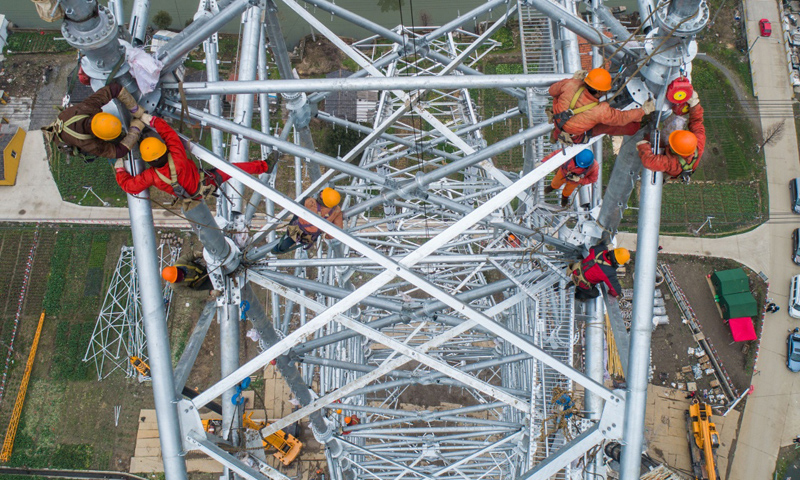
x,y
162,20
771,134
390,5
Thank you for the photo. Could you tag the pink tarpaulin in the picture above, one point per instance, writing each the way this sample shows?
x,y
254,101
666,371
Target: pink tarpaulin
x,y
742,329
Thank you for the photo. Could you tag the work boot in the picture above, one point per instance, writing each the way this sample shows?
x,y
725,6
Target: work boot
x,y
564,201
548,189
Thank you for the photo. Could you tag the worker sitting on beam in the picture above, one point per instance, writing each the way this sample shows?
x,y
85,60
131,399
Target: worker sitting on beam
x,y
600,266
301,232
188,272
581,170
685,148
171,170
85,128
578,114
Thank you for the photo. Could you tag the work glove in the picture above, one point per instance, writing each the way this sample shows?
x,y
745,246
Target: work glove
x,y
146,118
134,132
136,126
686,176
580,74
694,100
130,103
649,106
642,142
573,178
137,111
119,164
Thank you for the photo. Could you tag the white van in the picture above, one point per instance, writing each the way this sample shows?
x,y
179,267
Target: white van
x,y
794,298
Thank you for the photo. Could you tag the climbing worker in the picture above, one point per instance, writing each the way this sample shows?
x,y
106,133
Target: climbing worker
x,y
301,232
171,169
188,272
581,170
772,307
600,266
350,421
579,115
85,128
685,148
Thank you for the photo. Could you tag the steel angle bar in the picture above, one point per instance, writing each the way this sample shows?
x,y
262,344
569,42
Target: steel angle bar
x,y
478,453
189,355
229,461
565,455
281,145
360,261
197,32
396,269
386,459
349,84
409,352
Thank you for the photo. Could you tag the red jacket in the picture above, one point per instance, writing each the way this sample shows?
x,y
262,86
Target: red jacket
x,y
669,162
186,170
602,114
597,269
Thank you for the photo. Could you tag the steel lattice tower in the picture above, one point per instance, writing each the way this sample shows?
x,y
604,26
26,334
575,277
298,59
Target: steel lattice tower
x,y
422,298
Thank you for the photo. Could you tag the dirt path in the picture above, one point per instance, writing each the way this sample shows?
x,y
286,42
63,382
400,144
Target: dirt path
x,y
745,99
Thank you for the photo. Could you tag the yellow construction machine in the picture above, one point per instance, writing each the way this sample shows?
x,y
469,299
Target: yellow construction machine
x,y
703,441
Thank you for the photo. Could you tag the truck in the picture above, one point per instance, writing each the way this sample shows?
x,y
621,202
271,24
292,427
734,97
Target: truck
x,y
703,441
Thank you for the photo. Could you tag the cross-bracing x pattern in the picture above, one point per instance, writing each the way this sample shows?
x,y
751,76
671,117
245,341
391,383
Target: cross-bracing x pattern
x,y
118,333
441,336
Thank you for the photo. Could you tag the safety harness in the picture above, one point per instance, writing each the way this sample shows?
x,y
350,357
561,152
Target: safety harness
x,y
578,269
561,119
202,192
53,133
199,277
299,233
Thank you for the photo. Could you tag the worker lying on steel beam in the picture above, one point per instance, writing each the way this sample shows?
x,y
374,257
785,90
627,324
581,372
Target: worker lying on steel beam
x,y
85,128
600,266
188,272
581,170
305,234
578,114
171,170
685,148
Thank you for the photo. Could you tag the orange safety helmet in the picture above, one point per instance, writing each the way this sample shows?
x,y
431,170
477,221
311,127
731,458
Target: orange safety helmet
x,y
622,255
599,79
106,126
330,197
151,149
347,420
683,143
171,274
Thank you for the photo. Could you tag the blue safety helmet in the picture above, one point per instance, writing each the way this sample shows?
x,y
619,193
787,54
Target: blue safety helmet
x,y
584,159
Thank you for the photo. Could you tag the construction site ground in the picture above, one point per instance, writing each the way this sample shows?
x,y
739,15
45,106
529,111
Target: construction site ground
x,y
666,431
671,342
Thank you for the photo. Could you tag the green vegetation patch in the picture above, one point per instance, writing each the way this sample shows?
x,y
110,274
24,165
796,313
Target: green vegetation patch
x,y
505,36
37,42
72,174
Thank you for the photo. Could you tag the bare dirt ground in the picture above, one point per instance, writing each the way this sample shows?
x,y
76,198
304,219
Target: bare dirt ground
x,y
671,342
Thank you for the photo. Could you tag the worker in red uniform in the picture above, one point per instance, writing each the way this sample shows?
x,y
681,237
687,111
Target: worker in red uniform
x,y
579,115
581,170
85,128
302,232
170,169
349,422
600,266
685,147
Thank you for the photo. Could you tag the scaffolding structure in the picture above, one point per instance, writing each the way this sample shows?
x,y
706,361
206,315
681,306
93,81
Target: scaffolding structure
x,y
440,314
118,334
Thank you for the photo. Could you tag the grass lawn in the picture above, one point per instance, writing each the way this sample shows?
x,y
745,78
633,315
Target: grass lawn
x,y
37,42
72,174
725,39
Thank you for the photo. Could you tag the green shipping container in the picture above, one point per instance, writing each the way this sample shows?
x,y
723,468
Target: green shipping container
x,y
727,282
738,305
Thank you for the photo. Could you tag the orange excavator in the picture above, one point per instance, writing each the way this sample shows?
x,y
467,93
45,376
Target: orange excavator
x,y
703,441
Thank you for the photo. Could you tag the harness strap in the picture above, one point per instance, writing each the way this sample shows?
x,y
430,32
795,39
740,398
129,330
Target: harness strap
x,y
689,166
63,127
580,268
561,119
197,270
